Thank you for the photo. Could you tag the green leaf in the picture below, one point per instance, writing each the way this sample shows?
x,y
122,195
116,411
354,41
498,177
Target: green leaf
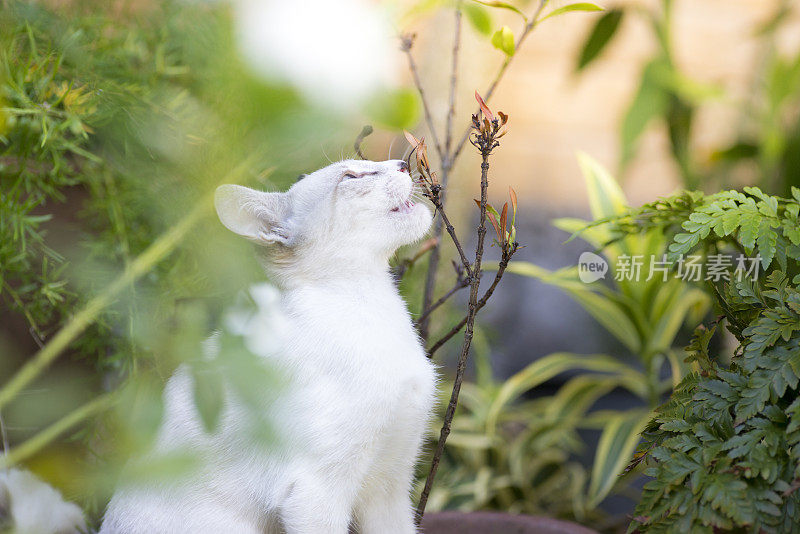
x,y
606,198
605,311
503,39
580,6
651,101
602,33
503,5
578,395
542,370
614,451
749,223
397,109
669,318
736,152
597,236
767,240
479,18
208,394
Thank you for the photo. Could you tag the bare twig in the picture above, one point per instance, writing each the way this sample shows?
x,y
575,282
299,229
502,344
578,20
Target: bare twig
x,y
365,131
485,140
481,303
430,281
4,436
437,202
451,109
403,265
407,41
529,27
461,282
448,158
446,165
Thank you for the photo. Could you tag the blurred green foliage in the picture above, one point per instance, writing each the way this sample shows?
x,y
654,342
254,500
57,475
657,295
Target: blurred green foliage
x,y
723,451
768,130
116,127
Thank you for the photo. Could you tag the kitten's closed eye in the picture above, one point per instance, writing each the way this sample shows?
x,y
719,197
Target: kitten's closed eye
x,y
350,175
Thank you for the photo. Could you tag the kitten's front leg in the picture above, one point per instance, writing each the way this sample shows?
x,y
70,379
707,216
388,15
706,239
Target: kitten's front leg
x,y
315,506
387,512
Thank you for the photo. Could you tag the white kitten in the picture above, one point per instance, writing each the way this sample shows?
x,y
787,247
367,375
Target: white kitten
x,y
352,419
31,506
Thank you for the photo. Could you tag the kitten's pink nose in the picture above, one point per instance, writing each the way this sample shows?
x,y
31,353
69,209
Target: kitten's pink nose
x,y
403,166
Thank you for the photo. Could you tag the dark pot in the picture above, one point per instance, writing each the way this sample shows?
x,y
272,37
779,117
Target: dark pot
x,y
497,523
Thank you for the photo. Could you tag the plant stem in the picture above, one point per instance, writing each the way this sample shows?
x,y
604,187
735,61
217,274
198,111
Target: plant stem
x,y
452,233
502,70
461,367
446,165
45,437
451,108
447,157
460,283
481,303
84,318
412,66
430,281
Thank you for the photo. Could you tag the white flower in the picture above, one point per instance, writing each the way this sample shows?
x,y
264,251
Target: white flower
x,y
336,52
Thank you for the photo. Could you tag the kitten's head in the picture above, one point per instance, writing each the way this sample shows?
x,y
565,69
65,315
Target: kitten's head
x,y
352,211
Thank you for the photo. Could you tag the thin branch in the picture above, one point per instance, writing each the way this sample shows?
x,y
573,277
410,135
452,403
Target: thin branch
x,y
406,43
446,163
4,436
430,280
365,131
451,110
34,328
475,280
437,202
449,158
403,265
501,71
481,303
433,263
461,283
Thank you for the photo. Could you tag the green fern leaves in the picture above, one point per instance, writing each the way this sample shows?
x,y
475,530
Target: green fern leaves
x,y
724,452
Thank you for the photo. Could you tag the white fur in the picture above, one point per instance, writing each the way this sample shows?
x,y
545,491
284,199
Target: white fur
x,y
33,507
361,389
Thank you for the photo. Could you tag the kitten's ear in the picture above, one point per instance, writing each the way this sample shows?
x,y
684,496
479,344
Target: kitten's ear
x,y
258,216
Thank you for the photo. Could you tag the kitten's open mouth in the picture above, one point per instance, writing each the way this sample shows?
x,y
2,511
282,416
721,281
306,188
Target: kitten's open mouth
x,y
405,207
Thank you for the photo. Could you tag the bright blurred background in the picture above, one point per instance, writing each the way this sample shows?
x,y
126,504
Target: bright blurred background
x,y
121,117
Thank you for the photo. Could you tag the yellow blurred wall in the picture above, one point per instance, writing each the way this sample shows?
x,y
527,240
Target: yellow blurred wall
x,y
555,113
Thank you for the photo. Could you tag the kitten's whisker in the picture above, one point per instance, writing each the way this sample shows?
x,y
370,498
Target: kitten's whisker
x,y
391,145
325,154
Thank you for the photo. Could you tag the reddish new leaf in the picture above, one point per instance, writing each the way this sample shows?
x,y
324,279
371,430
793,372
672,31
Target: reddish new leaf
x,y
503,220
413,141
513,195
484,108
493,220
